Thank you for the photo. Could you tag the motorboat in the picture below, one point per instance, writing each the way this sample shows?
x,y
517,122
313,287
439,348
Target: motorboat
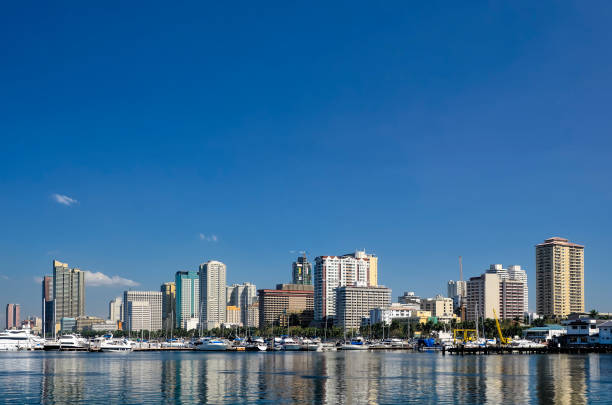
x,y
526,344
211,344
16,339
257,345
174,344
72,343
357,343
290,344
327,347
107,343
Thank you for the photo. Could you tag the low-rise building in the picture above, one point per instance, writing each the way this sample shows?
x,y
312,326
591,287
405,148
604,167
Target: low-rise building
x,y
409,299
190,323
85,322
605,333
581,330
389,314
67,324
107,325
544,333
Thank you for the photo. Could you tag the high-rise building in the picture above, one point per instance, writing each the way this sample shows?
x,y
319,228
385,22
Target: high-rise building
x,y
47,306
187,297
354,303
287,300
213,294
142,310
253,315
516,273
302,271
168,291
559,277
68,291
232,315
456,290
332,272
12,316
242,296
497,289
115,309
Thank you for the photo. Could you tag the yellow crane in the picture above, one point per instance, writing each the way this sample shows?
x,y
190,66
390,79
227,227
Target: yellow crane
x,y
503,340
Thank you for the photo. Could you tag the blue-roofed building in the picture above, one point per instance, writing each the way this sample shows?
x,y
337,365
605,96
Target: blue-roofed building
x,y
544,333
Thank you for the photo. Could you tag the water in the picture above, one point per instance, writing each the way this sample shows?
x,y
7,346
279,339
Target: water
x,y
303,377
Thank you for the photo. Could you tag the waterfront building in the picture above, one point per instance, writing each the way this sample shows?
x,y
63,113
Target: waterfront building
x,y
440,307
142,310
242,296
232,316
86,322
409,299
287,299
497,289
605,333
544,333
301,271
190,323
332,272
354,303
47,305
559,277
12,316
168,291
581,330
105,326
188,301
213,294
115,310
388,314
68,291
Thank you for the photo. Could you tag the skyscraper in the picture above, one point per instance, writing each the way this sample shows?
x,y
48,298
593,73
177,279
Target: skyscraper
x,y
142,310
242,296
47,305
68,291
332,272
168,291
188,301
559,277
115,309
302,271
12,316
213,294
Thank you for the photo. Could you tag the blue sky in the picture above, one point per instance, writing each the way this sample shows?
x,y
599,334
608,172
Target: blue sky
x,y
420,132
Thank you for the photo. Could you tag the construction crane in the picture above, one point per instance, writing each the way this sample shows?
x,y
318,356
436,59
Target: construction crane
x,y
503,340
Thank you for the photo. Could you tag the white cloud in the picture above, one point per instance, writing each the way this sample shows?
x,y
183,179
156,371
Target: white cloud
x,y
209,238
102,280
3,277
64,199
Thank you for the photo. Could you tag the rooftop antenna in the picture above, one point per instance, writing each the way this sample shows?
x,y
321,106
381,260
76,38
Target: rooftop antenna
x,y
460,268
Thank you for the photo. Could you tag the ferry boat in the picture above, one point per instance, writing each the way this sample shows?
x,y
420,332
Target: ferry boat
x,y
211,344
18,339
357,343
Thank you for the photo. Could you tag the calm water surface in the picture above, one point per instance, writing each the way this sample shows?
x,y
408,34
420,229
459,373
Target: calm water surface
x,y
303,377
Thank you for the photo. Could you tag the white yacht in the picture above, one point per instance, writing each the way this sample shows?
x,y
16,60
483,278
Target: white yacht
x,y
257,345
211,344
357,343
17,339
289,344
72,343
107,343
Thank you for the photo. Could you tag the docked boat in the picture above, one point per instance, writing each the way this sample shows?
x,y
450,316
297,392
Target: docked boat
x,y
526,344
107,343
357,343
174,344
290,344
257,345
72,343
18,339
211,344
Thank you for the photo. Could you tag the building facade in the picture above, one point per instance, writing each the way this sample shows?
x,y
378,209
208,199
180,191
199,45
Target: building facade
x,y
168,291
301,271
47,305
115,310
409,299
232,316
142,310
188,301
276,306
387,315
13,315
440,307
68,291
354,303
213,294
242,296
332,272
559,277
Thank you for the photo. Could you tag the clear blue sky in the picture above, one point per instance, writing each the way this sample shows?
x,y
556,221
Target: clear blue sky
x,y
420,132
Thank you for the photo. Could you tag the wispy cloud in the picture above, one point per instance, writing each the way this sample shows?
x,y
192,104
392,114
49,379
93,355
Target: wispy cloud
x,y
3,277
209,238
64,199
99,279
38,280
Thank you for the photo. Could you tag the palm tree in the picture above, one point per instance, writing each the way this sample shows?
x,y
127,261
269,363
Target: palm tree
x,y
594,313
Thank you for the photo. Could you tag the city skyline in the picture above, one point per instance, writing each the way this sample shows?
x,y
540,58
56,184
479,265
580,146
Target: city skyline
x,y
417,134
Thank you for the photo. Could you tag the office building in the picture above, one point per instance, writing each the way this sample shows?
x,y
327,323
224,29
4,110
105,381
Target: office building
x,y
440,307
168,291
86,322
456,290
142,310
302,271
67,324
187,296
68,291
232,316
242,296
13,316
410,300
213,294
498,290
47,305
287,301
354,303
253,315
332,272
115,310
516,273
559,277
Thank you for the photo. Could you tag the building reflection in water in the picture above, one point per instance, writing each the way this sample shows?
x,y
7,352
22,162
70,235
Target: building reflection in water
x,y
303,377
